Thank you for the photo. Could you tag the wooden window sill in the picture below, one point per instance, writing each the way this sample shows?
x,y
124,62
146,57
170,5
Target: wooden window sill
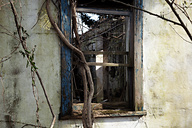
x,y
102,113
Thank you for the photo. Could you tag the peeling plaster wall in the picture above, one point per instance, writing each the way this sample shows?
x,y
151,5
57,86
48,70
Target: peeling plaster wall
x,y
167,73
17,103
17,100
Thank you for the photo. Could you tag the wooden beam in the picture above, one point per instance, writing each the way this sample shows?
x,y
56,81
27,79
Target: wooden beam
x,y
105,52
138,56
107,64
103,11
66,65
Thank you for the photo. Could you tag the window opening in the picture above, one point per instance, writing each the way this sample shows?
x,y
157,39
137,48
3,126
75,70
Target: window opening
x,y
105,42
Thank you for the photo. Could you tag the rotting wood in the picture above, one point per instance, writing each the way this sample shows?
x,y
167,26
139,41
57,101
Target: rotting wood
x,y
105,52
100,112
101,33
107,64
103,11
66,64
105,113
138,58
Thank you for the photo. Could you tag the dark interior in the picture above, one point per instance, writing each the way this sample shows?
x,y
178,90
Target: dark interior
x,y
103,4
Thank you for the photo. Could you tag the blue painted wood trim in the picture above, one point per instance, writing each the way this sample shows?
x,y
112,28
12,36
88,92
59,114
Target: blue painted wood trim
x,y
66,65
138,57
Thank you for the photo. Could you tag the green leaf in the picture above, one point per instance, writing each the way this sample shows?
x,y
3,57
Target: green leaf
x,y
22,53
22,29
33,82
27,34
24,38
27,51
27,64
32,57
35,67
31,69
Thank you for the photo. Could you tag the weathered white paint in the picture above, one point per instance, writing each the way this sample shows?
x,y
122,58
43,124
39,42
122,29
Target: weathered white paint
x,y
167,65
167,74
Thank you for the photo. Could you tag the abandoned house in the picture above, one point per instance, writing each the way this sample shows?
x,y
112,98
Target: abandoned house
x,y
140,64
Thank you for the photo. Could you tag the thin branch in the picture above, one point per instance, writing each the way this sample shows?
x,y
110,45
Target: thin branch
x,y
153,14
85,4
180,35
85,108
74,20
20,12
90,97
25,49
54,3
10,35
82,25
172,1
3,60
180,20
183,10
41,82
25,124
35,96
9,32
7,57
3,90
105,31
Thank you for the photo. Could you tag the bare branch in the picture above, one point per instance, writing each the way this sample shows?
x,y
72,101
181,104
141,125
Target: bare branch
x,y
180,35
172,1
74,20
3,90
35,94
153,14
180,20
10,35
183,10
25,124
7,57
20,12
91,92
85,106
25,49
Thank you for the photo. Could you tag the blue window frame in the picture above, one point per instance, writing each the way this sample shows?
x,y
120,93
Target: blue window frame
x,y
66,61
66,88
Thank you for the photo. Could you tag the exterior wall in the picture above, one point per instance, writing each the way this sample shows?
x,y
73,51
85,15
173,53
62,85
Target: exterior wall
x,y
167,74
167,71
19,102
